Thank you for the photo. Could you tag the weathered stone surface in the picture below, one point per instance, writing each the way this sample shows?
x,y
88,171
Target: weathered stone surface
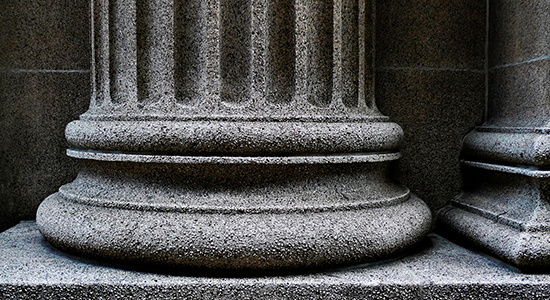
x,y
237,137
34,109
45,37
436,108
264,167
430,79
438,269
504,206
234,212
431,34
519,31
222,212
44,83
504,210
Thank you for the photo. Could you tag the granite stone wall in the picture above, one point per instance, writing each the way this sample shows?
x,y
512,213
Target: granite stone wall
x,y
519,63
44,84
430,78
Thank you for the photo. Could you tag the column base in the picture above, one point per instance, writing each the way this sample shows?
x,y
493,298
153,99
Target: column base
x,y
505,211
508,145
243,213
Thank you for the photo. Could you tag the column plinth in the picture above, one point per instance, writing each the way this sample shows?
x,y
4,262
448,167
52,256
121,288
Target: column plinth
x,y
504,207
228,150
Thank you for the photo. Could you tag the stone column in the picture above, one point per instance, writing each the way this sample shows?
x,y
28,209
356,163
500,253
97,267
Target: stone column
x,y
504,207
233,134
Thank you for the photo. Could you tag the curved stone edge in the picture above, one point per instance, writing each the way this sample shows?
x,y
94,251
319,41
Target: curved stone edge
x,y
525,249
233,241
238,185
529,172
269,160
527,148
205,209
234,138
335,112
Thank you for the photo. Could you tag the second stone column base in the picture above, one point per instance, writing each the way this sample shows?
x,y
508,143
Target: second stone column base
x,y
503,210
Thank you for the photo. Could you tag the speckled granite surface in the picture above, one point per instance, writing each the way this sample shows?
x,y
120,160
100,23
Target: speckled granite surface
x,y
45,37
44,84
32,269
430,80
503,206
244,207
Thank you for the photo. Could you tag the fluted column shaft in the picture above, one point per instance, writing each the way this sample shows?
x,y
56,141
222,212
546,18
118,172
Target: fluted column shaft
x,y
235,134
261,59
504,205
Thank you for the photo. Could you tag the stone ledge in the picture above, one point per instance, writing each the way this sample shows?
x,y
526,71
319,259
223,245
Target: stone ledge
x,y
31,269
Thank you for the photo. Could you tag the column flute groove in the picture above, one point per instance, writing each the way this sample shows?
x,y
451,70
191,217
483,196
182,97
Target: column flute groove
x,y
100,60
155,52
314,50
123,52
236,50
280,56
346,54
190,35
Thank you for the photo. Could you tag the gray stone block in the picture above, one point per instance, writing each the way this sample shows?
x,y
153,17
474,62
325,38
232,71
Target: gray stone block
x,y
438,269
527,38
34,109
431,34
436,109
503,210
45,35
430,79
44,83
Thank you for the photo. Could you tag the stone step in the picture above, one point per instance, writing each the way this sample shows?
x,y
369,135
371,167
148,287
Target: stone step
x,y
438,269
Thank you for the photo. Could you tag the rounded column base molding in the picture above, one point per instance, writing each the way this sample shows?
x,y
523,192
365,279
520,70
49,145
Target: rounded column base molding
x,y
221,213
508,145
234,137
